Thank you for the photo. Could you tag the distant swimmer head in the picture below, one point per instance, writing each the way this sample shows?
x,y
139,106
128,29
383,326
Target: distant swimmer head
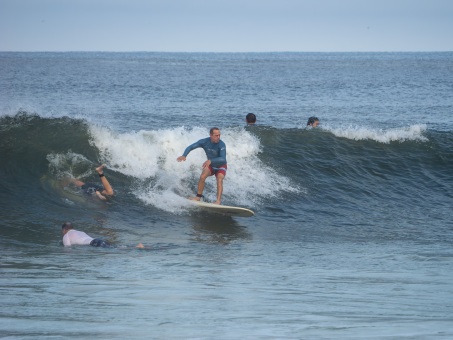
x,y
250,118
313,121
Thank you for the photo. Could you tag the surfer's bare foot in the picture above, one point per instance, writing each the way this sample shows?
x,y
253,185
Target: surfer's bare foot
x,y
216,202
198,197
100,169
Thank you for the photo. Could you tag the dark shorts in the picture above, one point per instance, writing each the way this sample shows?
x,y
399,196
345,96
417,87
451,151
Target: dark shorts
x,y
91,188
97,242
218,170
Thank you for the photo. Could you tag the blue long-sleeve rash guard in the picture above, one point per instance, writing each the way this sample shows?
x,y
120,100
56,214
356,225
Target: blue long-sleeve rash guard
x,y
216,152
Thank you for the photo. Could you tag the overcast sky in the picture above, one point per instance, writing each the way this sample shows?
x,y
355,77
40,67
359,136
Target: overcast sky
x,y
226,25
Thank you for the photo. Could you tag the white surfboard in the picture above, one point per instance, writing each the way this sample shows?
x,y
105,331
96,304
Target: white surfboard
x,y
224,209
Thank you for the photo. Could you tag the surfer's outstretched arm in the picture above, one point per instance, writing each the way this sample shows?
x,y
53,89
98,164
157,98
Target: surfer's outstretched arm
x,y
70,180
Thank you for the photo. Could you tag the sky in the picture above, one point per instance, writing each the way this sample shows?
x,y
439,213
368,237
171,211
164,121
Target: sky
x,y
227,25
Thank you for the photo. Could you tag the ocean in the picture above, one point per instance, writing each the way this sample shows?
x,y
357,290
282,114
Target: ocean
x,y
353,231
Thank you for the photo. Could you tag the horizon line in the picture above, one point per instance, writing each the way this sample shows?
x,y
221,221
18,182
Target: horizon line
x,y
213,52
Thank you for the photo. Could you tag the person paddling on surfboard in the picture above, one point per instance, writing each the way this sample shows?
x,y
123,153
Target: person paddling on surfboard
x,y
215,165
72,237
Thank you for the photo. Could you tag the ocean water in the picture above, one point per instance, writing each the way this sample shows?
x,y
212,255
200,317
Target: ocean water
x,y
353,231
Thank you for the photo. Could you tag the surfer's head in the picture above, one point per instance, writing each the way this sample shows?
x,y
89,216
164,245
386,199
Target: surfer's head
x,y
313,121
214,133
65,227
250,118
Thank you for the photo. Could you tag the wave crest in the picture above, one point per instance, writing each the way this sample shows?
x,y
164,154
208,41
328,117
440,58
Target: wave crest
x,y
411,133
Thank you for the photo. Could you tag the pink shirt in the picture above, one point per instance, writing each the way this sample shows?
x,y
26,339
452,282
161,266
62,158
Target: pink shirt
x,y
75,237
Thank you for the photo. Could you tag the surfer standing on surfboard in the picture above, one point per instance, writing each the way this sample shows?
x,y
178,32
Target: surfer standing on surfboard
x,y
215,165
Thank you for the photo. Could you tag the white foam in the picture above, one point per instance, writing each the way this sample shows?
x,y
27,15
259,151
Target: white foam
x,y
69,164
149,157
411,133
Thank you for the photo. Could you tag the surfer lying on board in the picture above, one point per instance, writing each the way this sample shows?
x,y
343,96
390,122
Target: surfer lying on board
x,y
101,191
215,165
72,237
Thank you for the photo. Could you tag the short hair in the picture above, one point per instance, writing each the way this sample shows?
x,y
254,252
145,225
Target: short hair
x,y
66,225
251,118
212,130
311,120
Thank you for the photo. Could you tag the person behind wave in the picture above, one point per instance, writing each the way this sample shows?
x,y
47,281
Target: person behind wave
x,y
72,237
250,118
216,164
313,122
103,191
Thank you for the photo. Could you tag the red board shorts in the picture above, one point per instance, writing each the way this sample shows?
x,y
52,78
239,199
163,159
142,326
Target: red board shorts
x,y
218,170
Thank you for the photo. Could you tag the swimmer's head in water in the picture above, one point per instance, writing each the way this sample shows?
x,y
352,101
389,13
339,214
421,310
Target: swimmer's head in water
x,y
313,121
251,118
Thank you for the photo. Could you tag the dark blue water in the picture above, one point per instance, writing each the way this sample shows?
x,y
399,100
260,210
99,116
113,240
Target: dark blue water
x,y
352,235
